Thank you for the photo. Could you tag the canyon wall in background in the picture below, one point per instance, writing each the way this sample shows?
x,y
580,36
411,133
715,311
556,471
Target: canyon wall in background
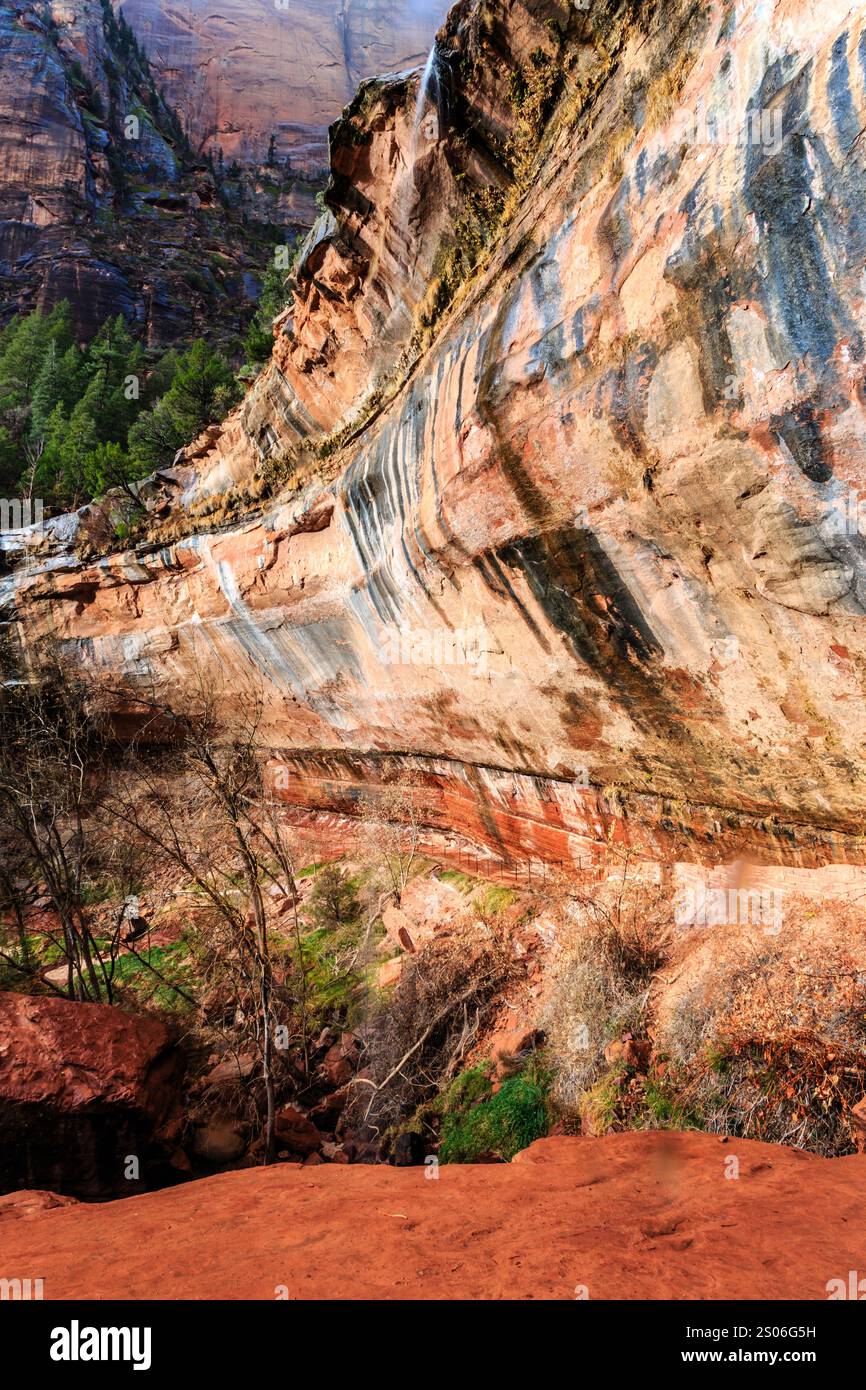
x,y
102,202
245,70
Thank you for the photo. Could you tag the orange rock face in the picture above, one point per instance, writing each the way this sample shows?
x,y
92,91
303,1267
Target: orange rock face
x,y
590,562
243,71
640,1216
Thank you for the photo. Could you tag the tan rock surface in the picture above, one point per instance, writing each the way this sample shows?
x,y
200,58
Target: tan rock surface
x,y
592,572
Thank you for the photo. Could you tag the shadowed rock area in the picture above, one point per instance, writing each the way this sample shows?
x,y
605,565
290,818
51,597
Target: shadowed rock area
x,y
82,1088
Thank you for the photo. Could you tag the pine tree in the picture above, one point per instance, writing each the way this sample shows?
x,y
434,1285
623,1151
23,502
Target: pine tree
x,y
60,327
108,466
22,360
48,469
203,390
80,439
72,369
10,463
48,391
155,437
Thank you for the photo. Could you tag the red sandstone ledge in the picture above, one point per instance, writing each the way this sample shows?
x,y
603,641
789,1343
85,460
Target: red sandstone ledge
x,y
637,1215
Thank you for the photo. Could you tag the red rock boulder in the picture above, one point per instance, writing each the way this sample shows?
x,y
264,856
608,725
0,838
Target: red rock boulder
x,y
510,1048
296,1133
84,1089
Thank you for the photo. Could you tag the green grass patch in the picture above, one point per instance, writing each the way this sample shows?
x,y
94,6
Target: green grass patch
x,y
332,989
458,879
310,870
475,1122
599,1104
494,897
171,961
665,1110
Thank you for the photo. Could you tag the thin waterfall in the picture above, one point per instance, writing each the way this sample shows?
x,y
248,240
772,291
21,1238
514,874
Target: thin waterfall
x,y
428,93
426,131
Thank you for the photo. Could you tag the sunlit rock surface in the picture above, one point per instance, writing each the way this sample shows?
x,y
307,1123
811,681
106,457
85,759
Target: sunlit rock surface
x,y
246,70
673,1228
596,571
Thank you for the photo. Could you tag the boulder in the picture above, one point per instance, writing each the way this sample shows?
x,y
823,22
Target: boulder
x,y
635,1053
389,973
82,1088
399,928
296,1132
330,1108
858,1124
340,1061
230,1069
26,1204
510,1047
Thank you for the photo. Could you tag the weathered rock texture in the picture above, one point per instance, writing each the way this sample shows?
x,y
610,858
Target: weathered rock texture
x,y
591,562
82,1087
644,1216
113,217
246,70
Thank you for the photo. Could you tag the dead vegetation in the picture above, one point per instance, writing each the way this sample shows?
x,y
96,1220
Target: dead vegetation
x,y
611,943
727,1029
445,998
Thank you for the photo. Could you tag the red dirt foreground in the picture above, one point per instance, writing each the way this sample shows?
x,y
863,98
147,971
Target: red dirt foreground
x,y
637,1215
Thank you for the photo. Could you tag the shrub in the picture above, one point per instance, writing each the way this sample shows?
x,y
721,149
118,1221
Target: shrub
x,y
333,901
795,1088
446,996
611,946
477,1123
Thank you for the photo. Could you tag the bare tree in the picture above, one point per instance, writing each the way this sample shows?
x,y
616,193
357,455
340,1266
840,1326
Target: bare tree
x,y
33,451
392,825
201,803
53,735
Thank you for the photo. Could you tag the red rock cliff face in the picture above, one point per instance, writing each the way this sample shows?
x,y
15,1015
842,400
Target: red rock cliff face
x,y
592,559
243,71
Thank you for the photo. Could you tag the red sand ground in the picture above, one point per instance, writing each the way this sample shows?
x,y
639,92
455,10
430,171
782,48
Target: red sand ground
x,y
645,1216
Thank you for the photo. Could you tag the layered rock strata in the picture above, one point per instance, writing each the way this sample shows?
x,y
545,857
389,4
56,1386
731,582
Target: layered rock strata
x,y
590,561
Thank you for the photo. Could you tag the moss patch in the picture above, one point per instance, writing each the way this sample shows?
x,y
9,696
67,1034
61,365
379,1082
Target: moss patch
x,y
477,1123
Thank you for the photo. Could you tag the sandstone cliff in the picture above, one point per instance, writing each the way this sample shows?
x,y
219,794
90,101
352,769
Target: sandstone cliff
x,y
251,69
101,201
576,532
